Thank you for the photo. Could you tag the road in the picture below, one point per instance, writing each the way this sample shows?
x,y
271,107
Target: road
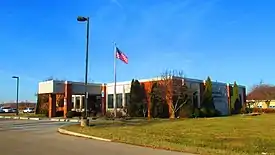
x,y
27,137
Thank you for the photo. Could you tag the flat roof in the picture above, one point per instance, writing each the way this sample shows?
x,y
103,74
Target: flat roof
x,y
71,82
140,80
175,77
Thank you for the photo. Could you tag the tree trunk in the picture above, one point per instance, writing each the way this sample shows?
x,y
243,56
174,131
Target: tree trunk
x,y
172,116
84,122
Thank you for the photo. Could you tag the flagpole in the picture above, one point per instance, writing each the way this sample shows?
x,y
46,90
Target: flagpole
x,y
114,97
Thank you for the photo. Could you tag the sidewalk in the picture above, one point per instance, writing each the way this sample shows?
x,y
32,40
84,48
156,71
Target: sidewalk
x,y
41,118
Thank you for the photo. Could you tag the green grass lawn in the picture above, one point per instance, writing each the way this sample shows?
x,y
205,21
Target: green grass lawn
x,y
235,135
32,115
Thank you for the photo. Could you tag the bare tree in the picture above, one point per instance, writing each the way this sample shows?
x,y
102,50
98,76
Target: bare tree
x,y
174,91
144,104
53,78
49,78
144,109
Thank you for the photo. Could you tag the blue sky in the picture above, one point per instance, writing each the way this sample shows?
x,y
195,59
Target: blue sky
x,y
227,40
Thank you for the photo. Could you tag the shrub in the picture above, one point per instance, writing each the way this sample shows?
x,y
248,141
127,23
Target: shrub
x,y
244,110
212,113
196,113
70,114
217,113
82,114
59,113
257,110
110,114
119,114
265,110
203,112
186,111
207,112
99,115
93,113
77,114
268,110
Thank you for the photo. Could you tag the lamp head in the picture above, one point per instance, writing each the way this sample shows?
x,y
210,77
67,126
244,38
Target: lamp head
x,y
15,77
82,19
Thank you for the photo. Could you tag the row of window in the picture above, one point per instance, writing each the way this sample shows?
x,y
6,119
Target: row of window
x,y
119,100
269,106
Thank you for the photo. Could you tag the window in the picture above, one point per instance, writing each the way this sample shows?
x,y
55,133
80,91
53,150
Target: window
x,y
77,104
127,99
195,100
110,101
119,100
241,99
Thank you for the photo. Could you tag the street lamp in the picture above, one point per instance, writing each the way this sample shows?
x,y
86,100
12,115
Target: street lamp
x,y
86,19
17,92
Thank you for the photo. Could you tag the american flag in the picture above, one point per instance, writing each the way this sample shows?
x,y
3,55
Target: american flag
x,y
121,56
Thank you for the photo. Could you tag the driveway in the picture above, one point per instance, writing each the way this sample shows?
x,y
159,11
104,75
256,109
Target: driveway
x,y
26,137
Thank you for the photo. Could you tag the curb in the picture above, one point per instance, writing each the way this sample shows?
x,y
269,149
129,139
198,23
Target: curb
x,y
66,132
35,119
24,118
54,119
73,120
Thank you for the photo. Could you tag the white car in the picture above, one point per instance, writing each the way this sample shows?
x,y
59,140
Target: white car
x,y
7,109
28,110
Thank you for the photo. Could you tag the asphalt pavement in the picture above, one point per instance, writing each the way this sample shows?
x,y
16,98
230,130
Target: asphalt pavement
x,y
26,137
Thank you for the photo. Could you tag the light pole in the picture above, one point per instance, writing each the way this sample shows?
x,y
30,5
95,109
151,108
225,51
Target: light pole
x,y
86,19
17,92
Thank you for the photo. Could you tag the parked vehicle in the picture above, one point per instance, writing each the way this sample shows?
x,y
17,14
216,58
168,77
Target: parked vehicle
x,y
28,110
7,109
1,110
13,110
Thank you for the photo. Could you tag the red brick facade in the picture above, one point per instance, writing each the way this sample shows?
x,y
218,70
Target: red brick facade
x,y
67,98
103,99
52,105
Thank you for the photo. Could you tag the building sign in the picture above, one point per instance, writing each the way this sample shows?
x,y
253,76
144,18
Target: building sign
x,y
102,93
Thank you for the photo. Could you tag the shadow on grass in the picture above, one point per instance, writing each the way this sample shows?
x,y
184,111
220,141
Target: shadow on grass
x,y
130,122
142,121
